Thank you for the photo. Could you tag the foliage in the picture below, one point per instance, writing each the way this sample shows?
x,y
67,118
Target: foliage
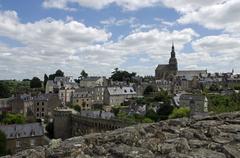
x,y
45,80
58,73
134,118
13,119
147,120
35,83
3,144
4,92
119,75
84,74
164,111
214,88
77,108
151,114
180,112
49,129
149,90
220,103
162,96
10,87
115,110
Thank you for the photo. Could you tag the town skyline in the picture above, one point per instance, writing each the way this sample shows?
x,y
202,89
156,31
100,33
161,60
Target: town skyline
x,y
100,36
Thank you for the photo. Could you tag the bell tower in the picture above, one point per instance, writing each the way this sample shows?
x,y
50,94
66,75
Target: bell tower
x,y
173,60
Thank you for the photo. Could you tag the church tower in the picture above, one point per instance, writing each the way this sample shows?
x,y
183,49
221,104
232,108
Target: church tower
x,y
173,60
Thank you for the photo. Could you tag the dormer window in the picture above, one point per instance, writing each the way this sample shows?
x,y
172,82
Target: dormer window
x,y
125,91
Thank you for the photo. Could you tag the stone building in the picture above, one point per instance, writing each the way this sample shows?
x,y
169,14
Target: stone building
x,y
21,104
83,99
167,71
43,105
66,95
5,105
23,136
98,94
117,95
93,81
197,103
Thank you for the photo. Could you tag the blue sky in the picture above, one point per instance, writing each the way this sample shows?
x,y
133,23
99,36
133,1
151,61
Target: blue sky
x,y
40,36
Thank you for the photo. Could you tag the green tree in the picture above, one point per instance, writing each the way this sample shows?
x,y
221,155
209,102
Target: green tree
x,y
77,108
147,120
118,75
152,115
35,83
3,144
59,73
4,90
180,112
13,119
148,90
164,111
83,74
45,80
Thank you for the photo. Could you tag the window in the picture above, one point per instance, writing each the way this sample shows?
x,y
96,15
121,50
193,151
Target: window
x,y
32,142
42,114
37,114
77,100
42,109
37,103
37,109
18,144
42,103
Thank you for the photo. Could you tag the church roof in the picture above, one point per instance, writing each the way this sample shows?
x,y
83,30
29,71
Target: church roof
x,y
162,66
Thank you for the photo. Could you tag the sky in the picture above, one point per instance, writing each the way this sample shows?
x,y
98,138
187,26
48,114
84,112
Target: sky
x,y
41,36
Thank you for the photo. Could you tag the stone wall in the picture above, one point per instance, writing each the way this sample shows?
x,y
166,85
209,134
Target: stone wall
x,y
67,125
209,137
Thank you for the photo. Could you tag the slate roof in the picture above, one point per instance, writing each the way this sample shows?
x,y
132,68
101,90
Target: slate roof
x,y
22,130
192,97
121,90
162,66
96,114
92,78
191,73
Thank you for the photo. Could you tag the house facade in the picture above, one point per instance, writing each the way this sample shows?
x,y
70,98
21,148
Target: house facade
x,y
196,102
117,95
23,136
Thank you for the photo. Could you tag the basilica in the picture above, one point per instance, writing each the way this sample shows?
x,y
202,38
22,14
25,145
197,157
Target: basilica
x,y
167,71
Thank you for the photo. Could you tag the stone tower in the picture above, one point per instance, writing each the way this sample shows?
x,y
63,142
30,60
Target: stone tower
x,y
173,60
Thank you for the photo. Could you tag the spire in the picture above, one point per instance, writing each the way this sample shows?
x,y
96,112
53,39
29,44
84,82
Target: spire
x,y
172,46
173,51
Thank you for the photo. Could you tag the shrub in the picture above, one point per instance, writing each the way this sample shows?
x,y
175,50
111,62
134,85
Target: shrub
x,y
147,120
3,142
180,112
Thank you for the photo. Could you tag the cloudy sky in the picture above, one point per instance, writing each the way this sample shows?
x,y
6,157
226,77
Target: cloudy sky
x,y
41,36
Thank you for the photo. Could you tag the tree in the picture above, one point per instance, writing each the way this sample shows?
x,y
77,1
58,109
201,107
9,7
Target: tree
x,y
35,83
148,90
45,80
152,115
118,75
83,74
3,144
180,112
4,90
13,119
59,73
77,108
164,111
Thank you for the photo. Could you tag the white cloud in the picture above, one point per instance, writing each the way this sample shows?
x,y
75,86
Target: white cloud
x,y
214,14
215,53
99,4
70,45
